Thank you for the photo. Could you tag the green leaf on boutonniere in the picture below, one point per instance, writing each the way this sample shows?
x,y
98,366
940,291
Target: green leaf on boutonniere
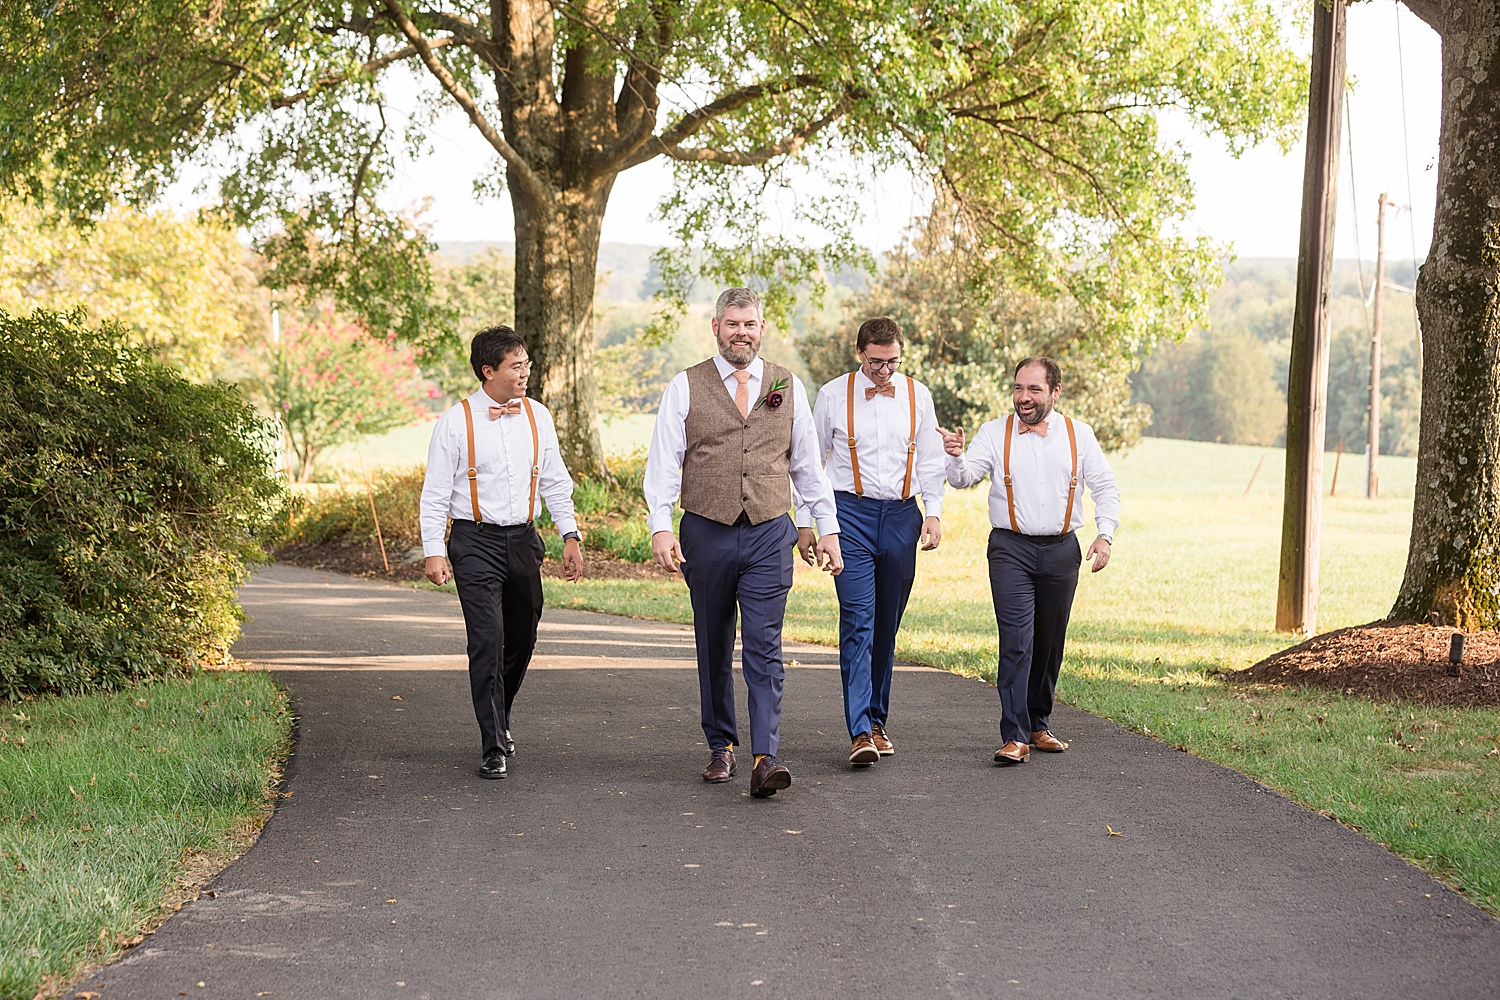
x,y
776,389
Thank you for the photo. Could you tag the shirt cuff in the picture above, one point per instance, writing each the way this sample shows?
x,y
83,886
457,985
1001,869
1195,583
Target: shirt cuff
x,y
1106,527
660,521
933,507
437,548
954,467
828,525
565,524
804,518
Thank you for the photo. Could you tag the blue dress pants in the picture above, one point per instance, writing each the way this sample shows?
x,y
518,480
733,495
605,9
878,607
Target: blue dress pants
x,y
1032,581
878,540
749,566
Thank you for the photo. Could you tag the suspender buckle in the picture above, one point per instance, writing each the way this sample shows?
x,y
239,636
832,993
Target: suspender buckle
x,y
1007,480
473,473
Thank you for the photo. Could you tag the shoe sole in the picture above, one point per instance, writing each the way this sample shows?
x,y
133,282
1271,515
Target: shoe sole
x,y
492,777
885,753
1048,749
719,781
1012,761
864,757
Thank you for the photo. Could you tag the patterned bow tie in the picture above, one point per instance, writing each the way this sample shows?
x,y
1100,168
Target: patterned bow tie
x,y
1040,427
889,389
513,407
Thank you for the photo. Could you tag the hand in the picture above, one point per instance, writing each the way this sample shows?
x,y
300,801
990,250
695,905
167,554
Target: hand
x,y
829,557
572,560
805,539
1099,553
932,533
438,569
666,551
953,443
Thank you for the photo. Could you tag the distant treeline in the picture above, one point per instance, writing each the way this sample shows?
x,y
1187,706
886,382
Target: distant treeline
x,y
1229,383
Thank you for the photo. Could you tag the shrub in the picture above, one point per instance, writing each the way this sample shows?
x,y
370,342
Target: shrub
x,y
130,502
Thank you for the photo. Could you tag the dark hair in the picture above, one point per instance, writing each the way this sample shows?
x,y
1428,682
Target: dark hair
x,y
492,346
880,330
1054,373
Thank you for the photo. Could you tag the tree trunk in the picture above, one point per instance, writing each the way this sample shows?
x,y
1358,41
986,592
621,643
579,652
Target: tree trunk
x,y
557,251
1453,566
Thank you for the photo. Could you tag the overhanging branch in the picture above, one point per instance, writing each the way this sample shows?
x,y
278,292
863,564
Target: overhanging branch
x,y
693,121
373,66
530,182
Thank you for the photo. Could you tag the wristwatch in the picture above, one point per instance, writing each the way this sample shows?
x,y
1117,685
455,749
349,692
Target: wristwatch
x,y
573,535
1110,539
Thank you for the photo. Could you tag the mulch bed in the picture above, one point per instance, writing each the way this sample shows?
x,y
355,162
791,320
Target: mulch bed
x,y
363,560
1388,660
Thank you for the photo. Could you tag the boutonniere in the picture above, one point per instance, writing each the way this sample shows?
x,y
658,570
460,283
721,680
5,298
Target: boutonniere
x,y
773,397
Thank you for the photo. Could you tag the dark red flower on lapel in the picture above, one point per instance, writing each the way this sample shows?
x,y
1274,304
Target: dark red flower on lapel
x,y
774,400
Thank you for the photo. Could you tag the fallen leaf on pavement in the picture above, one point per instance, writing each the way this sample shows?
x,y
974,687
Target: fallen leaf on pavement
x,y
1112,831
397,697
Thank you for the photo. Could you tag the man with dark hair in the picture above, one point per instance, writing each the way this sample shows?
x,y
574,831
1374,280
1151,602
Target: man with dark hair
x,y
1035,511
732,435
488,471
877,434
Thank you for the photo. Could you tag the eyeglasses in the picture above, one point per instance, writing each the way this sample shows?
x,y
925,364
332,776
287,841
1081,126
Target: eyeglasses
x,y
520,368
884,366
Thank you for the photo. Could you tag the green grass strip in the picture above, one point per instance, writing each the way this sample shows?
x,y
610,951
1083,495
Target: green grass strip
x,y
109,802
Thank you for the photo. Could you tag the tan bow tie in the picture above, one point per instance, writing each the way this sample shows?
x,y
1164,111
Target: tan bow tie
x,y
513,407
1040,427
889,389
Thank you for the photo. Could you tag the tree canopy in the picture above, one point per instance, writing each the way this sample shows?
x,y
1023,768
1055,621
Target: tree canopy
x,y
1039,120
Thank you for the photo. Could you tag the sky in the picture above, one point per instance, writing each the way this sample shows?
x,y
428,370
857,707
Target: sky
x,y
1252,203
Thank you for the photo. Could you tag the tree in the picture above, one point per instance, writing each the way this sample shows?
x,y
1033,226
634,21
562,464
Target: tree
x,y
332,382
183,288
1453,565
1039,119
1217,387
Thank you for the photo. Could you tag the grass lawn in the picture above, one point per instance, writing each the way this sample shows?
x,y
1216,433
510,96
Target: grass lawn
x,y
111,804
1191,592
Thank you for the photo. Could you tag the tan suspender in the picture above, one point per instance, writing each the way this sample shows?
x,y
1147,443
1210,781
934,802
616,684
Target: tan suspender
x,y
536,460
474,472
911,444
536,465
1010,500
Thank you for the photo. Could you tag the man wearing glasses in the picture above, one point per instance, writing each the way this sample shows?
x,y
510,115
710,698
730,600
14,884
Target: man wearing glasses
x,y
878,433
493,460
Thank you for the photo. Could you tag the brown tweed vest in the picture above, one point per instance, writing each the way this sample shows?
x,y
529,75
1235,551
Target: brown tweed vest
x,y
734,464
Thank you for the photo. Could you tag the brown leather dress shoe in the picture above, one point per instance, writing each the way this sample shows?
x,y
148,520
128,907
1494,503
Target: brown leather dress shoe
x,y
864,751
769,777
721,767
1012,753
1047,743
881,740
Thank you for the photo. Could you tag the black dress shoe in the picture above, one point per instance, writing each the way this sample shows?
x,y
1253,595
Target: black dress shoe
x,y
493,766
769,777
509,744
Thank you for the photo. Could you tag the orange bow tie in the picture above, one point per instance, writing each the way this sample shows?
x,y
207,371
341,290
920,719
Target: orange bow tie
x,y
1040,427
513,407
889,389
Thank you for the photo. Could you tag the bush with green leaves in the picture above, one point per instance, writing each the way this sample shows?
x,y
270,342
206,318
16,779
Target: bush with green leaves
x,y
131,501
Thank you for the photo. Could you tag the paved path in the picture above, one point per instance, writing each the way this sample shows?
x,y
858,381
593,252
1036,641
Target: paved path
x,y
603,867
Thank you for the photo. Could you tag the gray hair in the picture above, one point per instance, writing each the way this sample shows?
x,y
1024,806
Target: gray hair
x,y
736,298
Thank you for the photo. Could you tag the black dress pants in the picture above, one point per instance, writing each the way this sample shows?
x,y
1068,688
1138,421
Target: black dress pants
x,y
1032,580
498,572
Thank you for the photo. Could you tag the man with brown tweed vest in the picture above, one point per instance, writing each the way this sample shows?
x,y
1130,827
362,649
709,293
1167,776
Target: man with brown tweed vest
x,y
732,435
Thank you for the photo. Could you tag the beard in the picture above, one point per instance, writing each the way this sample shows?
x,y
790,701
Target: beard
x,y
1036,416
739,354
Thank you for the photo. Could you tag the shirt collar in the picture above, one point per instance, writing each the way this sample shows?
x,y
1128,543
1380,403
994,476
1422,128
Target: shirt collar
x,y
863,381
756,368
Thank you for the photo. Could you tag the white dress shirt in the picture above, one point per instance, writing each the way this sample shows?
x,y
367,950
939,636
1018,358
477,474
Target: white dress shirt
x,y
882,428
1039,471
663,484
502,457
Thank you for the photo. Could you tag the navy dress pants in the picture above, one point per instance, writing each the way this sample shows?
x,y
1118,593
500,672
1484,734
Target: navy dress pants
x,y
749,566
878,540
1032,580
498,572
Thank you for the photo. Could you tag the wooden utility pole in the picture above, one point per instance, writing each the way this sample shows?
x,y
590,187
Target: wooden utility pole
x,y
1372,463
1307,379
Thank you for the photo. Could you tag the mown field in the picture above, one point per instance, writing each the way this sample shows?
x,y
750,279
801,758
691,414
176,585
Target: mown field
x,y
1191,594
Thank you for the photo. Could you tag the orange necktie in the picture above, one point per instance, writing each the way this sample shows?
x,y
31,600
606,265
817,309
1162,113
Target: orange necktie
x,y
514,406
889,389
1040,427
742,393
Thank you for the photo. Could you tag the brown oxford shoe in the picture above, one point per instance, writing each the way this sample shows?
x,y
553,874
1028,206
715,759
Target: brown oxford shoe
x,y
1013,753
881,740
1047,743
769,777
721,767
864,751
